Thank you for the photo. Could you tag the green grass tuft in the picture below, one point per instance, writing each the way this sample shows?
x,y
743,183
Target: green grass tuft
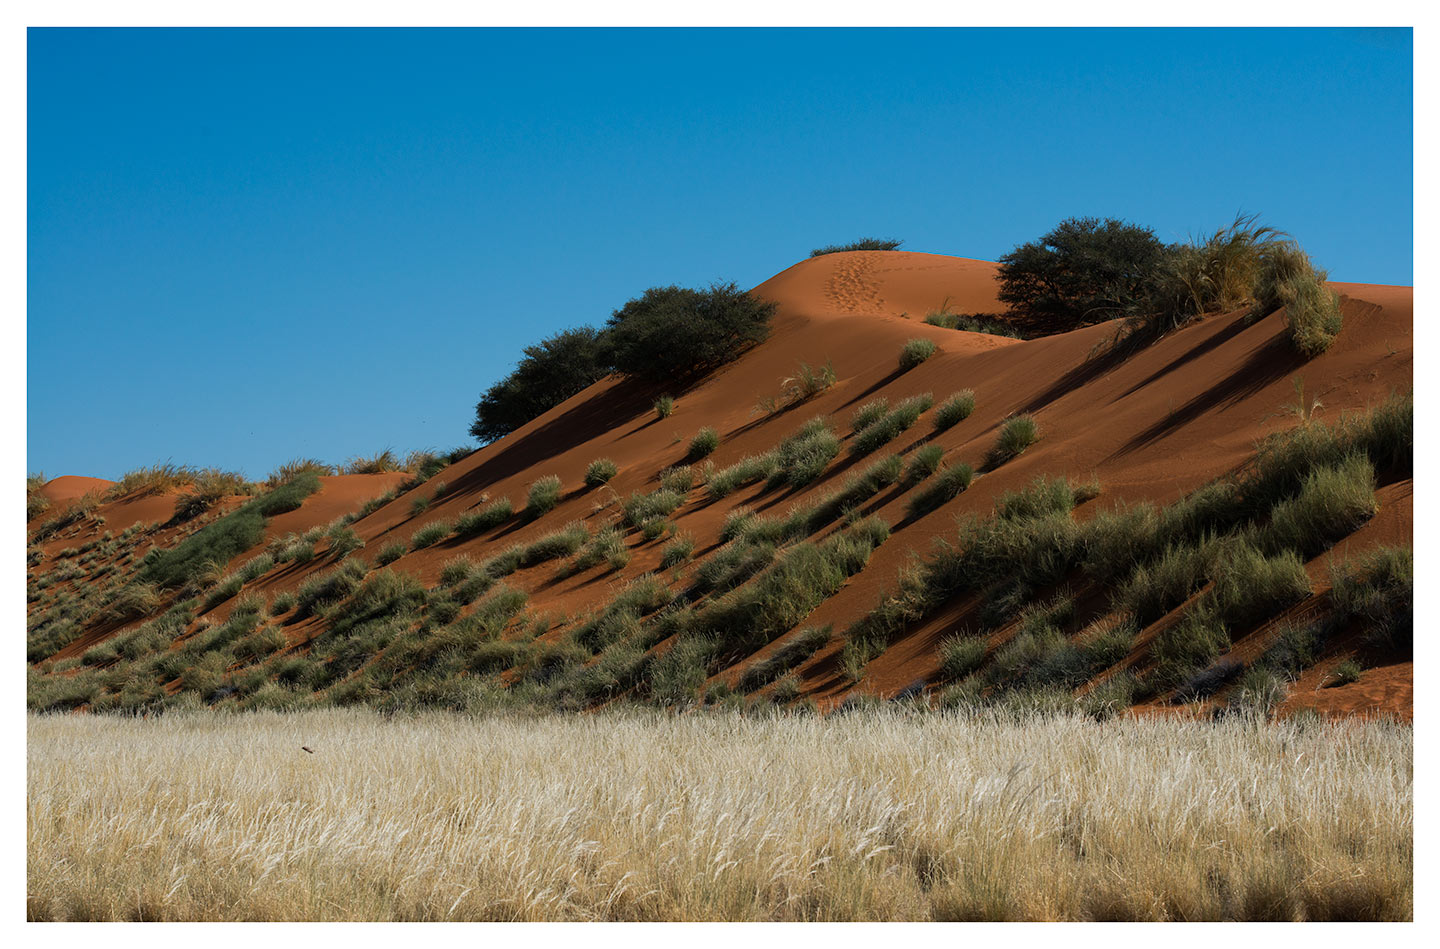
x,y
705,441
543,497
946,485
490,516
431,533
954,410
599,472
889,426
1017,434
915,352
677,552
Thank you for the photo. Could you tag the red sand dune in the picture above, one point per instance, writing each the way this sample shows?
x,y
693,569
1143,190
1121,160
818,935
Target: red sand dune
x,y
70,487
1175,415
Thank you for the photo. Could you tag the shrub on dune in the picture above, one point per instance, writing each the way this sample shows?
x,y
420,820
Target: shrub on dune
x,y
599,472
1083,271
1289,279
374,464
1312,314
1378,588
1333,502
155,479
746,471
1250,584
808,382
924,463
431,533
795,649
802,457
639,508
945,486
607,546
868,414
664,406
292,469
679,479
705,441
490,516
915,352
961,655
976,323
890,425
1208,275
1017,434
1040,497
208,487
954,410
543,497
561,543
678,551
655,528
328,588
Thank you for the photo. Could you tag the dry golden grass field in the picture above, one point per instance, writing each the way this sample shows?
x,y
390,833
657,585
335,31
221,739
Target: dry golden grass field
x,y
873,815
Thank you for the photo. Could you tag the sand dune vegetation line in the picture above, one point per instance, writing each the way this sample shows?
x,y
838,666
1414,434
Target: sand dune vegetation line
x,y
876,814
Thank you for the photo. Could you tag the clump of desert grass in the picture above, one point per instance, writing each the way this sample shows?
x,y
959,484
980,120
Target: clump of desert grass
x,y
944,486
378,463
642,507
705,441
971,323
296,467
808,382
1288,279
543,497
642,816
954,410
677,551
914,352
876,424
1018,433
430,534
802,457
607,546
1245,265
478,521
155,479
35,502
599,472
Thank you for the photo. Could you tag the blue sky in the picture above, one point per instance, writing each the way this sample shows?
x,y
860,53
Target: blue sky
x,y
250,245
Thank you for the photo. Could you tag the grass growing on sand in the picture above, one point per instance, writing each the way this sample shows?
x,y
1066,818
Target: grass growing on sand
x,y
600,471
915,352
627,815
1016,435
544,495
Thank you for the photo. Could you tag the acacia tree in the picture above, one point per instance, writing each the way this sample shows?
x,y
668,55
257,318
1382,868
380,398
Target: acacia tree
x,y
672,333
548,373
1084,271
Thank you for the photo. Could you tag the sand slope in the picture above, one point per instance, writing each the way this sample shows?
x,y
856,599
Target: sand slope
x,y
1179,413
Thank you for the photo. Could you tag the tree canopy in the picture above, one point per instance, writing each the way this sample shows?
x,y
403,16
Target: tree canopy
x,y
1084,271
548,373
